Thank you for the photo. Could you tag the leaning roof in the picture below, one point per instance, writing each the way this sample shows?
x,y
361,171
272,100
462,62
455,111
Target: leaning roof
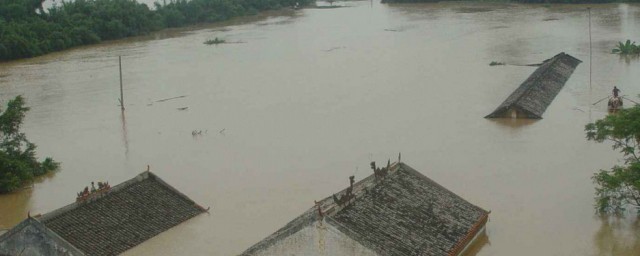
x,y
126,216
537,92
406,213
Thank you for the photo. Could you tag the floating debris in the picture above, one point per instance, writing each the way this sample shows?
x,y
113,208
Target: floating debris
x,y
333,48
173,98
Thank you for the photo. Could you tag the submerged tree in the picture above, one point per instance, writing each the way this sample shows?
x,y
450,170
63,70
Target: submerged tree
x,y
627,48
619,187
18,163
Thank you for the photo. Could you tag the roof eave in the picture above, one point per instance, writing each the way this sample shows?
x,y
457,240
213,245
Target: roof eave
x,y
469,238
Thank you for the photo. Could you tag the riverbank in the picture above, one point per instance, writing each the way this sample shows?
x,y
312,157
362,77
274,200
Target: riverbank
x,y
29,31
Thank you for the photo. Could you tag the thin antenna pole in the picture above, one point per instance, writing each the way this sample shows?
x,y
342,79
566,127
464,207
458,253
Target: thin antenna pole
x,y
121,94
590,53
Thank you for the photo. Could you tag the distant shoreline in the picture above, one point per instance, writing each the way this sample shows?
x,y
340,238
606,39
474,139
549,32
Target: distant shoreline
x,y
29,31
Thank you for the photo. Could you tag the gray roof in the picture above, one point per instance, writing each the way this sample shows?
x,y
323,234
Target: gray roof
x,y
536,93
404,214
125,216
30,237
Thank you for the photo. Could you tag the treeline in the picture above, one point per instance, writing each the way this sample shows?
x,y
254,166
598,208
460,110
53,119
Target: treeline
x,y
521,1
27,30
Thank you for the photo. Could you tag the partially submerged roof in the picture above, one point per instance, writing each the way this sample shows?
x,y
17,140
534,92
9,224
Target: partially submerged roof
x,y
125,216
536,93
30,237
405,213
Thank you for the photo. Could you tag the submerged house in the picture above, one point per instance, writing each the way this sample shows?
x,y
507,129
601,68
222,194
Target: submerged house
x,y
395,212
107,222
536,93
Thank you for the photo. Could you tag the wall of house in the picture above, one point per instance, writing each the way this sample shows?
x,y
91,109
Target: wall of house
x,y
319,238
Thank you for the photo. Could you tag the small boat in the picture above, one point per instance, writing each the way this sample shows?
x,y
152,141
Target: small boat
x,y
615,104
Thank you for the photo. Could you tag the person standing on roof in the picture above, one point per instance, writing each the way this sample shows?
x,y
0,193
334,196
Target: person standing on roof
x,y
615,92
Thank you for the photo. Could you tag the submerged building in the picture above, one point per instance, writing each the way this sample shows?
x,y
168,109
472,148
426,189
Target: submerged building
x,y
397,211
107,222
536,93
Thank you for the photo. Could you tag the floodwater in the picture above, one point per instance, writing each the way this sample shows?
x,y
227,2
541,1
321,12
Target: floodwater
x,y
306,98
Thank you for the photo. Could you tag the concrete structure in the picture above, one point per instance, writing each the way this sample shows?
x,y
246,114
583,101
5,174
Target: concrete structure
x,y
536,93
398,211
106,223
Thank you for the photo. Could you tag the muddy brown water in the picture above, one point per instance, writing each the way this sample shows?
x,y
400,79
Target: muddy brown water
x,y
310,97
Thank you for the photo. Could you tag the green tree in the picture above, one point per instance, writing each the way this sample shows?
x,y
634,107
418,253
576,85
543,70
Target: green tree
x,y
619,187
27,31
18,163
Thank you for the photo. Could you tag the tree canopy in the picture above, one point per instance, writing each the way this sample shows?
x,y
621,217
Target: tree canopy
x,y
618,188
523,1
26,30
18,163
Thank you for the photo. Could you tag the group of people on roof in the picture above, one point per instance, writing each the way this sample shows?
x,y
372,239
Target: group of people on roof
x,y
102,186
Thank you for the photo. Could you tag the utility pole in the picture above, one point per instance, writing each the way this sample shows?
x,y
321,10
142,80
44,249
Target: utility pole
x,y
121,93
590,54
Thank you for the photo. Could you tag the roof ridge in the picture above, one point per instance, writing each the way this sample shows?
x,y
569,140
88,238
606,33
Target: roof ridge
x,y
359,189
547,63
57,212
145,175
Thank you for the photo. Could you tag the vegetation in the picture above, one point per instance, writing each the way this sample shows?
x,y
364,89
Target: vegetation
x,y
619,187
496,63
627,48
27,30
215,41
546,3
18,163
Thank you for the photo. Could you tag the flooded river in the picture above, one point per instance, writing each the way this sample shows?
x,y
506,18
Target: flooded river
x,y
306,98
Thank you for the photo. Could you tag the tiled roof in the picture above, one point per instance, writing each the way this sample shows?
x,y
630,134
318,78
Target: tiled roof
x,y
408,214
126,216
405,213
536,93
